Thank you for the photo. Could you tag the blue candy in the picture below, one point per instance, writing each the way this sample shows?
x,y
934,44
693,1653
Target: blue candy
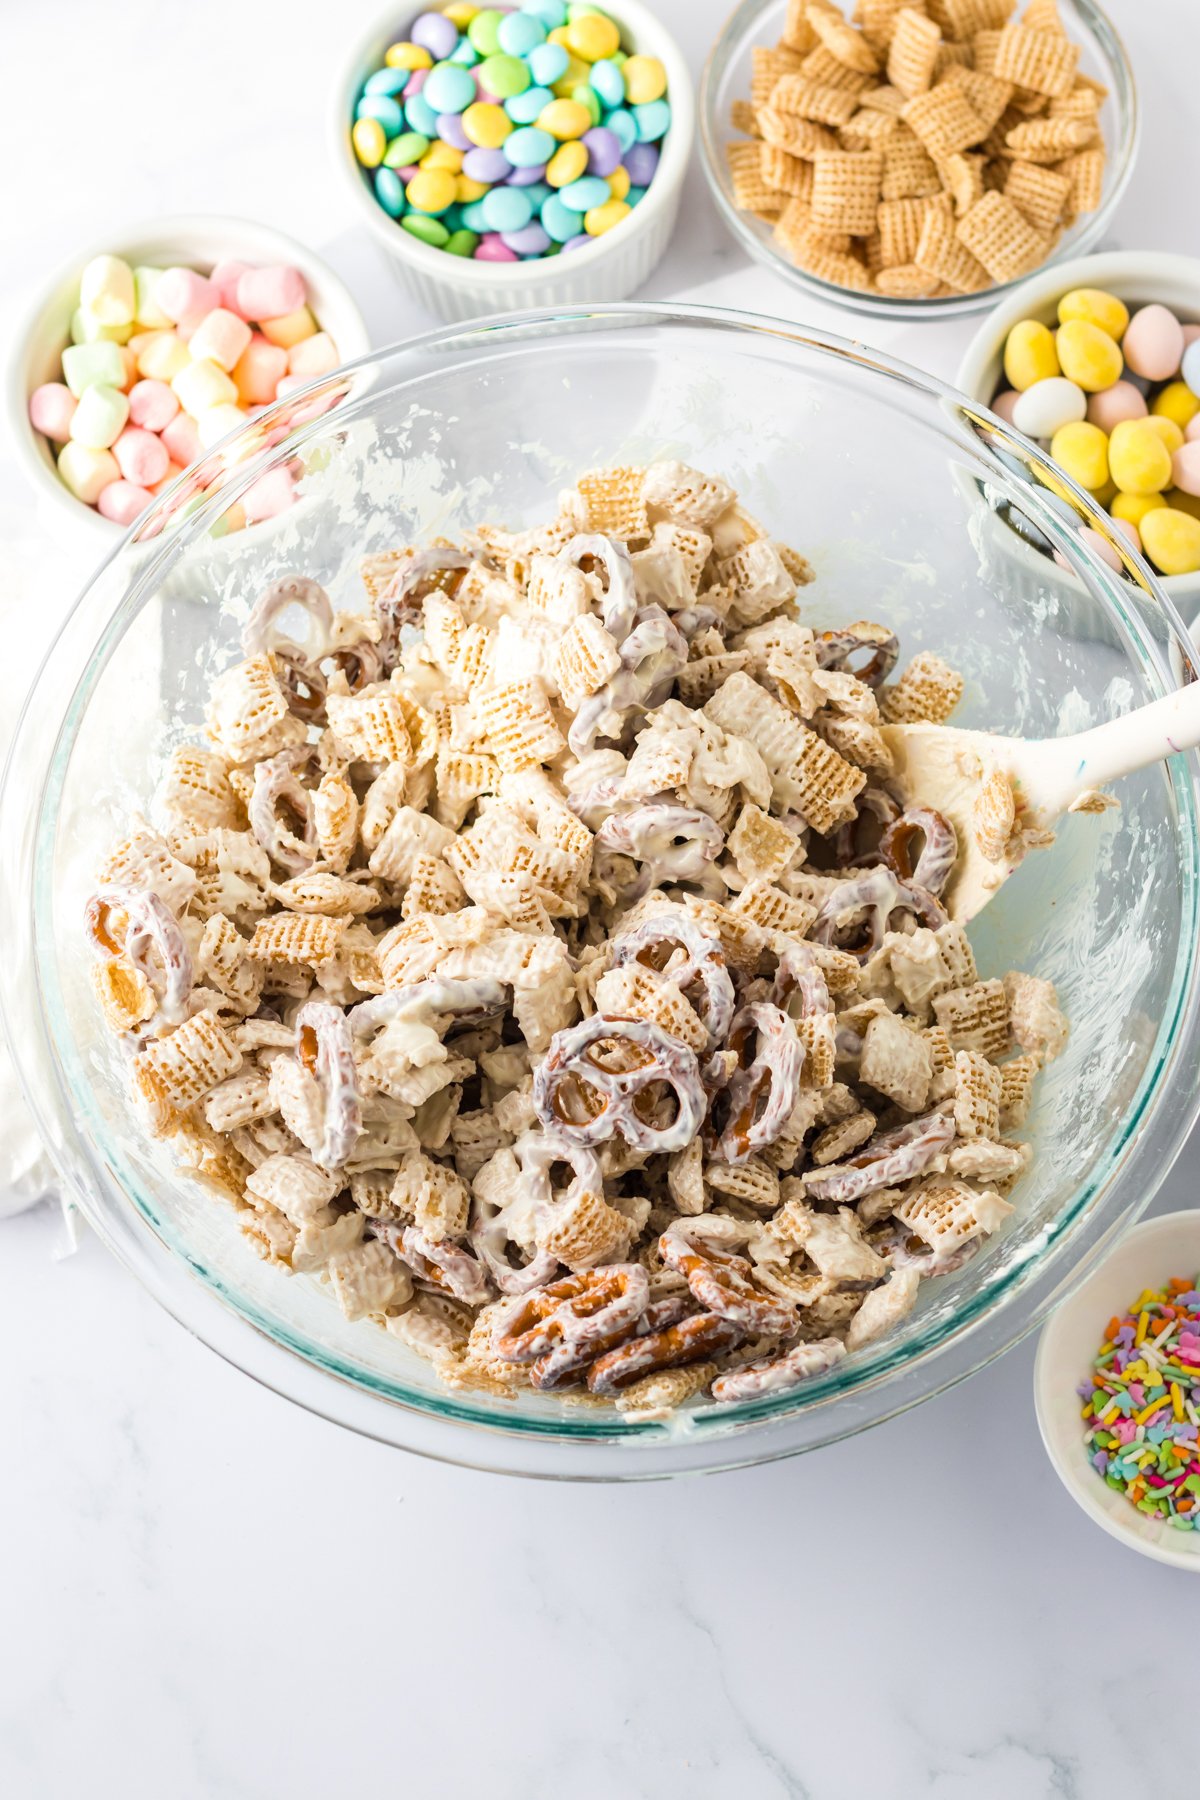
x,y
653,120
559,220
466,56
635,196
389,112
520,33
552,13
585,193
609,83
548,64
449,89
472,216
528,147
387,81
623,126
539,192
524,108
421,116
506,209
389,191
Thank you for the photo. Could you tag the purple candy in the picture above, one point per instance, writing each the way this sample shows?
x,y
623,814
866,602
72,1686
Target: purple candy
x,y
641,160
415,83
532,240
486,165
604,150
436,33
524,177
449,129
577,243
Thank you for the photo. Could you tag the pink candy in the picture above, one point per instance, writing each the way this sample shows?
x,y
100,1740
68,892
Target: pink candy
x,y
184,295
141,456
271,292
123,501
1114,404
51,409
152,405
493,249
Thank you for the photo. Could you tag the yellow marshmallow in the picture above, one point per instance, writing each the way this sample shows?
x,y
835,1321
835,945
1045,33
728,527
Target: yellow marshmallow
x,y
203,385
289,328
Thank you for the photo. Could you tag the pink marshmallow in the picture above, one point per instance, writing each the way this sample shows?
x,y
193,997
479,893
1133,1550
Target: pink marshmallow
x,y
173,469
184,295
152,405
269,496
181,440
271,292
225,278
260,369
123,501
221,337
51,409
141,457
313,356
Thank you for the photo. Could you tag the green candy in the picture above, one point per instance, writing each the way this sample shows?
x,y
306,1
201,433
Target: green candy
x,y
429,231
587,96
406,149
504,76
461,243
484,32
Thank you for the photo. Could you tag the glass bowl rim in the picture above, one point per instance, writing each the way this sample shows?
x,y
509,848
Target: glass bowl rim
x,y
162,1265
737,27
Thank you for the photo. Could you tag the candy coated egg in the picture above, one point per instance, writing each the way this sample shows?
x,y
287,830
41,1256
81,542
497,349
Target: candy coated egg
x,y
426,230
567,164
1129,530
548,64
602,218
370,142
1082,450
1176,401
529,147
1088,355
645,79
436,33
495,250
389,112
1132,508
1095,307
444,156
1171,539
1185,467
619,184
504,76
1104,550
486,165
450,131
585,194
524,108
553,13
1190,364
486,125
461,243
506,209
1167,430
1138,460
466,190
1192,429
603,150
386,81
588,98
1029,352
652,120
484,32
623,126
407,55
1043,408
532,239
1112,404
609,82
409,148
559,221
430,190
421,116
1153,343
520,32
565,119
448,89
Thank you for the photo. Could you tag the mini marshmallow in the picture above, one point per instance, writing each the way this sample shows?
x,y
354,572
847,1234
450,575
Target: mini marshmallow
x,y
162,356
100,417
106,290
182,440
123,501
148,313
225,278
203,385
260,369
270,495
183,294
173,469
85,365
131,369
141,457
51,409
289,328
313,356
222,338
152,404
270,293
87,472
217,422
86,328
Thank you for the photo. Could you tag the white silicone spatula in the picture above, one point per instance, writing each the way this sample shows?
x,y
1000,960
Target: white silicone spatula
x,y
954,772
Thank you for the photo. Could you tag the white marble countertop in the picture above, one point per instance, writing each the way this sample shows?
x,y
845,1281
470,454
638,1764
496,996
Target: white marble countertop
x,y
206,1594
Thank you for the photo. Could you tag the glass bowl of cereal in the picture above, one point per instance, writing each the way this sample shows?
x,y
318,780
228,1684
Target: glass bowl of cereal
x,y
465,955
913,165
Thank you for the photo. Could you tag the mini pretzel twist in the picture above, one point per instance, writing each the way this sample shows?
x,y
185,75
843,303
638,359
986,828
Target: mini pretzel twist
x,y
446,1265
886,1160
692,1339
723,1283
562,1328
672,843
762,1089
275,786
939,848
675,946
580,1092
537,1152
776,1374
145,928
835,648
435,570
651,657
592,550
861,911
325,1048
261,632
800,974
856,844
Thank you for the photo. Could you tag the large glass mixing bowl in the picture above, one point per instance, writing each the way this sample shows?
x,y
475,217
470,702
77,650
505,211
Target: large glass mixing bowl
x,y
886,480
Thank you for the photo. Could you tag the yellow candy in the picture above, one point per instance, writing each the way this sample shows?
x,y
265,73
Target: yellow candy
x,y
1170,433
1171,539
567,164
443,156
1029,355
486,125
563,119
645,80
1082,450
576,74
461,13
289,329
1134,507
370,142
560,35
1188,503
466,190
1138,459
618,183
1088,356
1176,401
602,218
1095,307
407,56
431,190
1104,496
592,37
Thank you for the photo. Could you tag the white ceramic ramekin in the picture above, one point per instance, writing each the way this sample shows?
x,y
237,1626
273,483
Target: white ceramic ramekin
x,y
1146,1257
454,287
196,242
1135,276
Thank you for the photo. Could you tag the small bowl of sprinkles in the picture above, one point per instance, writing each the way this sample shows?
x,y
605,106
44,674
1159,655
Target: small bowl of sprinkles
x,y
1117,1390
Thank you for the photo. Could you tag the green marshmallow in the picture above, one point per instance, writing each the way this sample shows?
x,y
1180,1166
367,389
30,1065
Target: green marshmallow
x,y
85,365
